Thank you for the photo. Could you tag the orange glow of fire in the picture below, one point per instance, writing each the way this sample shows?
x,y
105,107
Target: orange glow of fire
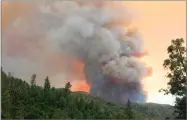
x,y
80,84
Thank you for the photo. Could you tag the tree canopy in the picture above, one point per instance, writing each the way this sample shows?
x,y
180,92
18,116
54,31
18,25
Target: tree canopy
x,y
21,100
176,65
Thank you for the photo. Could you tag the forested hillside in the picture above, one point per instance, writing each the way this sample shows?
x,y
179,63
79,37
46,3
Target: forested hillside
x,y
22,100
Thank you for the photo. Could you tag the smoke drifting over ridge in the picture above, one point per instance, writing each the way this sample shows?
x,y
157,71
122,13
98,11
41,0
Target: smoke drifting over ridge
x,y
97,34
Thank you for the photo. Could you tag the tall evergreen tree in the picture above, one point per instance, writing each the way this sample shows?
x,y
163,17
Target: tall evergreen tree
x,y
67,88
47,85
129,110
33,79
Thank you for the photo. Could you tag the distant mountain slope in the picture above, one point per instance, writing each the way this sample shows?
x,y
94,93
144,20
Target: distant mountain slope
x,y
152,110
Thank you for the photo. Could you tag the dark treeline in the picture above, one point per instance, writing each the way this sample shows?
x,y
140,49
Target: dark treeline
x,y
21,100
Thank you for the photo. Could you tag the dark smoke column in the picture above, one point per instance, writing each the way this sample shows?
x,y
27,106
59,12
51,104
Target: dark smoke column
x,y
110,88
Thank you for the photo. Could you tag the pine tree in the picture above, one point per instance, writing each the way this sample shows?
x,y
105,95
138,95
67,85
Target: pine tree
x,y
67,88
47,85
33,80
129,110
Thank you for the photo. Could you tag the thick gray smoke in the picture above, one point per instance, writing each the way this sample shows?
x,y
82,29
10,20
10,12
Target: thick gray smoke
x,y
99,35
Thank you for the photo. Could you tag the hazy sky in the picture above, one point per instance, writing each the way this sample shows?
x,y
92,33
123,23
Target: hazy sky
x,y
159,22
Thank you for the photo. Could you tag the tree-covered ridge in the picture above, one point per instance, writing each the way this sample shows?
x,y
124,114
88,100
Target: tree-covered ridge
x,y
21,100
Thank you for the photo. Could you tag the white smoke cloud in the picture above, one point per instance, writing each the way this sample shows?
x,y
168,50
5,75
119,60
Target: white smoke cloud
x,y
126,68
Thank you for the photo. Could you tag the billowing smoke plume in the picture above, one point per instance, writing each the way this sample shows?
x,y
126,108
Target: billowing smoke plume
x,y
97,34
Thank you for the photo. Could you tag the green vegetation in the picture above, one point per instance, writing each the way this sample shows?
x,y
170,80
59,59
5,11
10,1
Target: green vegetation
x,y
153,110
177,65
21,100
